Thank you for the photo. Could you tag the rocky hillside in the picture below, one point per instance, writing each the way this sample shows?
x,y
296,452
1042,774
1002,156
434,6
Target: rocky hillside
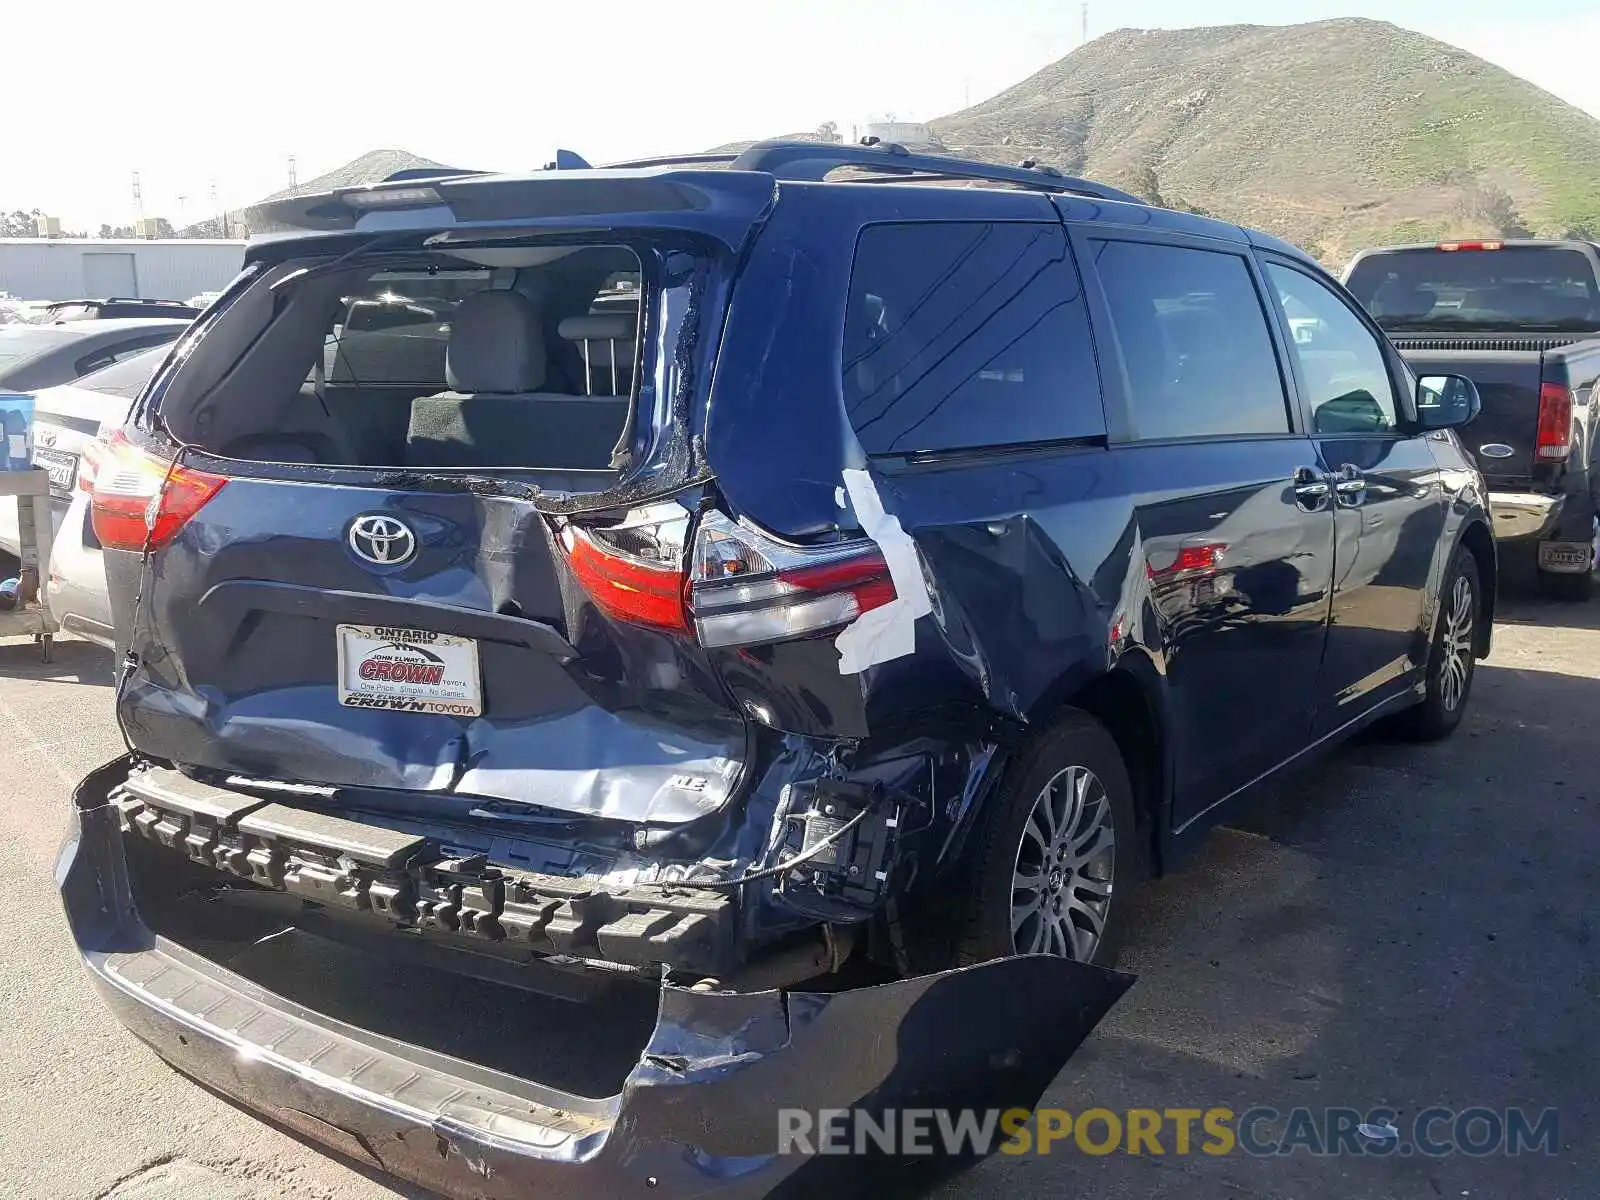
x,y
1336,134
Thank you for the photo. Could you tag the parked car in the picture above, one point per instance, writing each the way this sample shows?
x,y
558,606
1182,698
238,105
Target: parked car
x,y
1521,318
114,308
915,570
41,356
72,425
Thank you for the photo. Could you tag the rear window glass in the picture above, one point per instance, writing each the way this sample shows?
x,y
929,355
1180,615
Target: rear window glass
x,y
20,343
127,376
1534,287
962,335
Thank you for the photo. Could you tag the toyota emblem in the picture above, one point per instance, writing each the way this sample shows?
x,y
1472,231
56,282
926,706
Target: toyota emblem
x,y
382,540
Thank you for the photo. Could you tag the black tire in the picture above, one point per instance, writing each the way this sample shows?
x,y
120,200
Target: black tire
x,y
1442,705
1569,589
1075,741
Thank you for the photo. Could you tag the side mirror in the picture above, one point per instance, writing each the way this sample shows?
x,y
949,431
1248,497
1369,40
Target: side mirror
x,y
1447,401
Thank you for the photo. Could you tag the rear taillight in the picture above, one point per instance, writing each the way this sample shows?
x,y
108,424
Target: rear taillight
x,y
741,587
747,587
140,502
89,463
1453,246
1554,441
634,570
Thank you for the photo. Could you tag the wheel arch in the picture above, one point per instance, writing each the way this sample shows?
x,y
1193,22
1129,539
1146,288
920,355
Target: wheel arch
x,y
1476,539
1128,701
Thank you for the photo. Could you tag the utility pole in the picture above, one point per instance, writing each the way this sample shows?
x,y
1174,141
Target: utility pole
x,y
220,213
138,199
293,182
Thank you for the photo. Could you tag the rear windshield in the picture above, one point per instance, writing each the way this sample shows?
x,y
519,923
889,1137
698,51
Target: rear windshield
x,y
1517,287
126,377
525,359
19,343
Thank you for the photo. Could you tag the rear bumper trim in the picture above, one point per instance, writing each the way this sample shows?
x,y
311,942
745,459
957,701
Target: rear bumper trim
x,y
387,875
697,1115
1519,515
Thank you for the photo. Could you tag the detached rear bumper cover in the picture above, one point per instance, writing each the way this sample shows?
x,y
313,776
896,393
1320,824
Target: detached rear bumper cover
x,y
697,1115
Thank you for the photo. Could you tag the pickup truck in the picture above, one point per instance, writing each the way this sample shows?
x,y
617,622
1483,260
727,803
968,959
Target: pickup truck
x,y
1521,319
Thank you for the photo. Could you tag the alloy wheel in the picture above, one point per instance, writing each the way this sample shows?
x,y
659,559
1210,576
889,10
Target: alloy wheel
x,y
1457,645
1066,860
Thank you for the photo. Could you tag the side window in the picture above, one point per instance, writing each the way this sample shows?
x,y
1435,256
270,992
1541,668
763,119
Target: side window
x,y
1346,378
967,334
1195,341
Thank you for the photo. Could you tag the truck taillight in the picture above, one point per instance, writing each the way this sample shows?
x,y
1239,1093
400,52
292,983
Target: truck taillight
x,y
1554,441
138,501
1451,247
748,587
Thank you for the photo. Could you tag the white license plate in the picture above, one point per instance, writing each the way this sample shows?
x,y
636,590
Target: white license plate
x,y
1564,556
58,464
409,670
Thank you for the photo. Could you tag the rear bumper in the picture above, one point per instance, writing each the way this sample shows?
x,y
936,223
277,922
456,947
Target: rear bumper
x,y
1524,516
697,1115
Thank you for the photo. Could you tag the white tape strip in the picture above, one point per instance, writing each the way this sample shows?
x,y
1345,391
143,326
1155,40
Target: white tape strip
x,y
891,631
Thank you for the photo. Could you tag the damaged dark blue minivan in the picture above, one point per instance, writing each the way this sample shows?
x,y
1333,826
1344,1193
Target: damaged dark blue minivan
x,y
801,586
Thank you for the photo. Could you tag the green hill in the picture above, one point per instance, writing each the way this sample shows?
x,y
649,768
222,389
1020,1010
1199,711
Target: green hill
x,y
1336,135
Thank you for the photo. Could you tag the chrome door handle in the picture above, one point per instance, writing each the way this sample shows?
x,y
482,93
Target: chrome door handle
x,y
1350,484
1310,489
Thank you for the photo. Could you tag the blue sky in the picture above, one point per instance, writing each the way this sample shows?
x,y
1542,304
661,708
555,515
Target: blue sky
x,y
501,83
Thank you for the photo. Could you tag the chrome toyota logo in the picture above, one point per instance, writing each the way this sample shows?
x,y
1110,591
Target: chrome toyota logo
x,y
382,540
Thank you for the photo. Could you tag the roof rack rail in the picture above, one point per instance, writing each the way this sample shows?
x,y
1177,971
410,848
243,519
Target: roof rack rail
x,y
797,161
671,160
409,173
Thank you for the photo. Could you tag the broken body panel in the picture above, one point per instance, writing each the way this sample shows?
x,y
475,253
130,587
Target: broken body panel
x,y
697,1114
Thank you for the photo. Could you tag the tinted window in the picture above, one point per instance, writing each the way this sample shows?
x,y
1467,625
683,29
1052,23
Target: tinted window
x,y
1195,342
966,334
1342,367
1541,287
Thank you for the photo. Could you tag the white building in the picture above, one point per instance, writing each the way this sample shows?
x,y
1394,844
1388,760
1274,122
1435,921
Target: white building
x,y
913,135
89,268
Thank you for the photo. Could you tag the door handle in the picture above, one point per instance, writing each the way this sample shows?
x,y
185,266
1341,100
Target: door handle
x,y
1350,485
1310,489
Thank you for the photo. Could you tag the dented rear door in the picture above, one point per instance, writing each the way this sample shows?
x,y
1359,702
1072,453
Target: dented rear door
x,y
491,673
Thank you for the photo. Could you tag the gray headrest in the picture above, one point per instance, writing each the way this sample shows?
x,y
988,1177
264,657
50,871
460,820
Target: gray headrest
x,y
496,345
599,327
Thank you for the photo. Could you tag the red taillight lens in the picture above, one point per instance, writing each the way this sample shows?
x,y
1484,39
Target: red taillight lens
x,y
626,588
139,501
633,570
1453,246
743,587
1554,442
749,588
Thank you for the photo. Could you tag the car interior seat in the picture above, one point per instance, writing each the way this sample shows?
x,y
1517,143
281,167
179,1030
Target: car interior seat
x,y
495,414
